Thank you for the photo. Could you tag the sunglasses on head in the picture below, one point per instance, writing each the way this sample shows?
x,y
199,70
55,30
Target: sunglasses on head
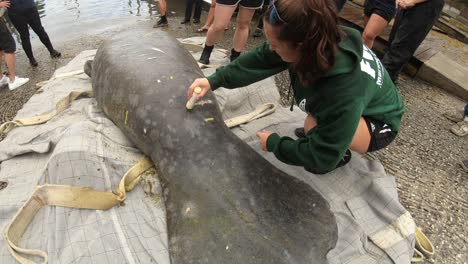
x,y
275,18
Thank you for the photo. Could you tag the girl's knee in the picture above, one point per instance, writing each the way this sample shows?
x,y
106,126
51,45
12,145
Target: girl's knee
x,y
309,123
242,25
219,27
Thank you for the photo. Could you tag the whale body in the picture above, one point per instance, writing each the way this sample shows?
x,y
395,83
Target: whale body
x,y
225,203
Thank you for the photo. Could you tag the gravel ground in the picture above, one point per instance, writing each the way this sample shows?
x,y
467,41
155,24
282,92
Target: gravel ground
x,y
424,158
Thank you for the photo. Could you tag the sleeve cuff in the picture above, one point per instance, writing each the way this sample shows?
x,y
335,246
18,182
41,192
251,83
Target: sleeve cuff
x,y
272,141
214,81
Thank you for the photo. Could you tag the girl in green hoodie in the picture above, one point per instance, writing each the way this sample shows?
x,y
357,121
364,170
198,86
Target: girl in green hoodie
x,y
350,100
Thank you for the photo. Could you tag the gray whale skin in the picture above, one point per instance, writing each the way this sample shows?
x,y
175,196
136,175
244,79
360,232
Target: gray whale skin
x,y
225,203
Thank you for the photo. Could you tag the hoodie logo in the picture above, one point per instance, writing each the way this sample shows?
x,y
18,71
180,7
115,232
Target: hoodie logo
x,y
302,105
369,57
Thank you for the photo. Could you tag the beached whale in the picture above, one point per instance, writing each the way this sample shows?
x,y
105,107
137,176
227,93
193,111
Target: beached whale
x,y
225,203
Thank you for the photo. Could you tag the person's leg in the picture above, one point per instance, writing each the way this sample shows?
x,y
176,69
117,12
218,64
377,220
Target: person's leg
x,y
20,23
361,139
8,48
339,4
14,81
3,79
413,25
209,18
258,32
34,21
6,40
377,15
396,25
162,7
244,17
374,26
223,14
10,61
198,11
162,22
188,11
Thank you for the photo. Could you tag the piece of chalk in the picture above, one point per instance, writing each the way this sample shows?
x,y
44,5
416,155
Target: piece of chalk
x,y
193,99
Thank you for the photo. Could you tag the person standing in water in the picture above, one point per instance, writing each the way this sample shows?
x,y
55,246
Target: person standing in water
x,y
23,14
162,22
7,50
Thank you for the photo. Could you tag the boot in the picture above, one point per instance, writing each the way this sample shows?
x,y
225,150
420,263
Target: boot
x,y
234,55
162,22
205,56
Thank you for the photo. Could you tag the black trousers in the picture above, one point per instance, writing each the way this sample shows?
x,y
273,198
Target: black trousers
x,y
410,28
188,9
21,19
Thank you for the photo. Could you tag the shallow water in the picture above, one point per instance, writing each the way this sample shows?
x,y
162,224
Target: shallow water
x,y
76,11
61,16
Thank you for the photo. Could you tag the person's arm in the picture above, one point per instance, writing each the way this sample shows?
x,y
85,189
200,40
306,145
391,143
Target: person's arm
x,y
250,67
326,143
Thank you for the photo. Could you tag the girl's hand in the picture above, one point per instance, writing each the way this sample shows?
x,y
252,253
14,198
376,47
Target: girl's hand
x,y
263,137
405,4
203,84
5,4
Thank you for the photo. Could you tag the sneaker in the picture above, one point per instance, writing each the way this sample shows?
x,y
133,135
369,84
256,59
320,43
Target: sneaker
x,y
17,83
206,54
454,117
54,54
258,32
161,23
33,62
4,81
345,159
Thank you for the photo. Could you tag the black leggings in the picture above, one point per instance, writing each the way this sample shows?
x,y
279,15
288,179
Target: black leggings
x,y
21,19
189,6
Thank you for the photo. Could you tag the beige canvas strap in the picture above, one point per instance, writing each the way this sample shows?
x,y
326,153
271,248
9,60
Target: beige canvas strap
x,y
60,76
67,196
61,105
260,111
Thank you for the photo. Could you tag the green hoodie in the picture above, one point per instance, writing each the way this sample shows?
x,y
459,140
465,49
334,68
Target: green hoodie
x,y
357,85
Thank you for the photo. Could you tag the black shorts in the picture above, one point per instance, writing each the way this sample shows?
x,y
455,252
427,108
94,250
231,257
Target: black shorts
x,y
7,43
384,8
381,134
252,4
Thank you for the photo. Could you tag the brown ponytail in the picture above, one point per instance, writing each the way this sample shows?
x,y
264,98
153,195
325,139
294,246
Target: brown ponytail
x,y
313,26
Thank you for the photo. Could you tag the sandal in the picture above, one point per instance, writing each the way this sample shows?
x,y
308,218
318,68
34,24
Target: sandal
x,y
460,129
